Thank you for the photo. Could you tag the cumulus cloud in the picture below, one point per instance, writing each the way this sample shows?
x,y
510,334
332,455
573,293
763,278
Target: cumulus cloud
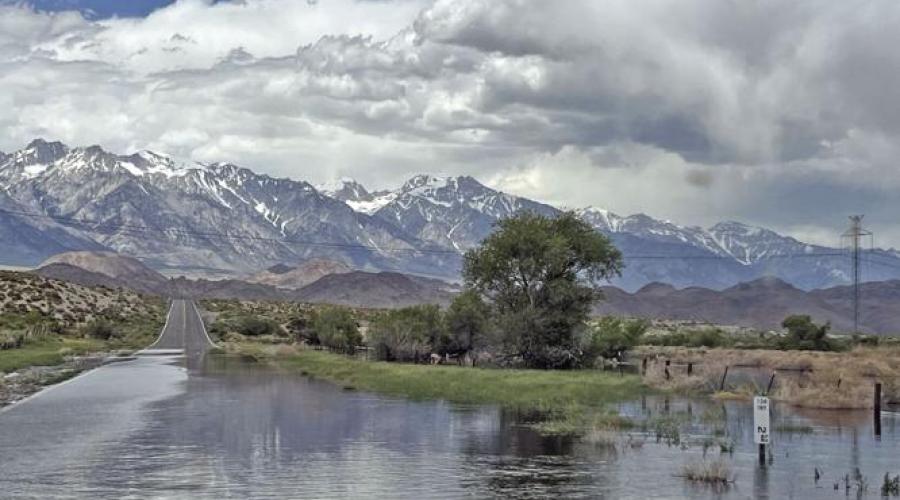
x,y
782,114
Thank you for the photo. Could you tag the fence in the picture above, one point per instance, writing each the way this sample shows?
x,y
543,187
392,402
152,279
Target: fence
x,y
669,373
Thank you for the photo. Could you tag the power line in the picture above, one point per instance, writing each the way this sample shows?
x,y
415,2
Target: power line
x,y
137,230
870,260
140,229
730,258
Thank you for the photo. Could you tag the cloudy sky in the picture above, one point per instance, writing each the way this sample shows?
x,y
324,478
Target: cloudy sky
x,y
784,114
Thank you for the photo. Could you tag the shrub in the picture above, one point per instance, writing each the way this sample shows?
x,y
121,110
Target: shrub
x,y
803,334
407,334
101,329
702,337
335,327
300,326
611,337
253,326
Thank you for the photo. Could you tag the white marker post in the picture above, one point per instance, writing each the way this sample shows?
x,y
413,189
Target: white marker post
x,y
761,424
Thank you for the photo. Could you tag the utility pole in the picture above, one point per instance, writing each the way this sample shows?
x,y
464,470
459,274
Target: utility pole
x,y
854,234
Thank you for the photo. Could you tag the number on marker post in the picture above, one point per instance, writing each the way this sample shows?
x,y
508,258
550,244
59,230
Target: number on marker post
x,y
761,419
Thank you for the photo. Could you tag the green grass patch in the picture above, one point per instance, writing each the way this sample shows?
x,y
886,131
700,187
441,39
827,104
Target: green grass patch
x,y
46,352
134,333
536,390
575,419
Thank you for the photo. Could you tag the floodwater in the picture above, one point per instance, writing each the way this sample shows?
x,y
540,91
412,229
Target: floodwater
x,y
155,428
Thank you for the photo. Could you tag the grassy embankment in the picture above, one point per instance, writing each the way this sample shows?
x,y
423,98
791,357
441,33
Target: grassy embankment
x,y
562,401
560,395
54,350
556,401
45,353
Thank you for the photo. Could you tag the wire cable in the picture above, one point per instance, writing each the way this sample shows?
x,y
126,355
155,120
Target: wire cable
x,y
137,229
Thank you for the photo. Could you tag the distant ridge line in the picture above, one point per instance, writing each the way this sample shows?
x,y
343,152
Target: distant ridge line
x,y
139,229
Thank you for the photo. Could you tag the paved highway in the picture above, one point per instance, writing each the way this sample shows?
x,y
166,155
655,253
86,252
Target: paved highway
x,y
184,331
63,441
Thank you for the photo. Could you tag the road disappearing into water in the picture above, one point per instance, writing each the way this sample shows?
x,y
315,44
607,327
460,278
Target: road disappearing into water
x,y
184,331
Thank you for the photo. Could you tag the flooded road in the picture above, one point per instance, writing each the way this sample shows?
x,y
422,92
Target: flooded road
x,y
218,427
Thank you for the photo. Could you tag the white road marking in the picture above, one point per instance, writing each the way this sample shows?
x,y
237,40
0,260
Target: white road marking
x,y
203,325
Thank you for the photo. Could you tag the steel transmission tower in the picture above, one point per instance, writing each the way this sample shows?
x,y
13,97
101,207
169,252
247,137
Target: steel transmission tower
x,y
855,234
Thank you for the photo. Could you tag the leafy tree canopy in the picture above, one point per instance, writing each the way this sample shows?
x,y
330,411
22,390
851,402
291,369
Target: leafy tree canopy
x,y
540,274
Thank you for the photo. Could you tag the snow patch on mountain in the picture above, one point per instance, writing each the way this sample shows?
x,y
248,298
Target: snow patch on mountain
x,y
369,207
194,209
204,216
356,196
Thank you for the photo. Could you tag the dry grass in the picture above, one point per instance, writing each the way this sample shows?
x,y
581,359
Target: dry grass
x,y
603,438
710,472
810,379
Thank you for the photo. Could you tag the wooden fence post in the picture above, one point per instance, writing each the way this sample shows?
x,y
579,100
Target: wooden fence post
x,y
877,413
724,376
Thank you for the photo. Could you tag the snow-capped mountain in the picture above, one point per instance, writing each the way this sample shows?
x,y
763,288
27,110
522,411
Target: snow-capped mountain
x,y
220,216
744,243
646,227
202,215
724,254
749,244
454,212
458,212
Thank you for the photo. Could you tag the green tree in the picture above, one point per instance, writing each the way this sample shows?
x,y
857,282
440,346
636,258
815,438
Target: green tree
x,y
468,323
408,334
540,275
611,337
336,327
804,334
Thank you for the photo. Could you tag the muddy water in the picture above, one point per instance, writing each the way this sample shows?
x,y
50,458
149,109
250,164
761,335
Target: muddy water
x,y
154,428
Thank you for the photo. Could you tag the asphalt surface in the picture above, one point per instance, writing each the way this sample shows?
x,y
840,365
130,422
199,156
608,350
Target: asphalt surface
x,y
184,331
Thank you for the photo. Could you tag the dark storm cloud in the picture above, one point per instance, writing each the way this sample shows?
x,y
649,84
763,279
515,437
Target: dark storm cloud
x,y
700,178
689,109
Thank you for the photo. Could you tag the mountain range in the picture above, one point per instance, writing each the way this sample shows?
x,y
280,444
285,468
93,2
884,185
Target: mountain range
x,y
218,217
325,282
759,304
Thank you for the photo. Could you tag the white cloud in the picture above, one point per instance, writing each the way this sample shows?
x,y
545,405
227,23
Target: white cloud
x,y
197,34
694,110
630,177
